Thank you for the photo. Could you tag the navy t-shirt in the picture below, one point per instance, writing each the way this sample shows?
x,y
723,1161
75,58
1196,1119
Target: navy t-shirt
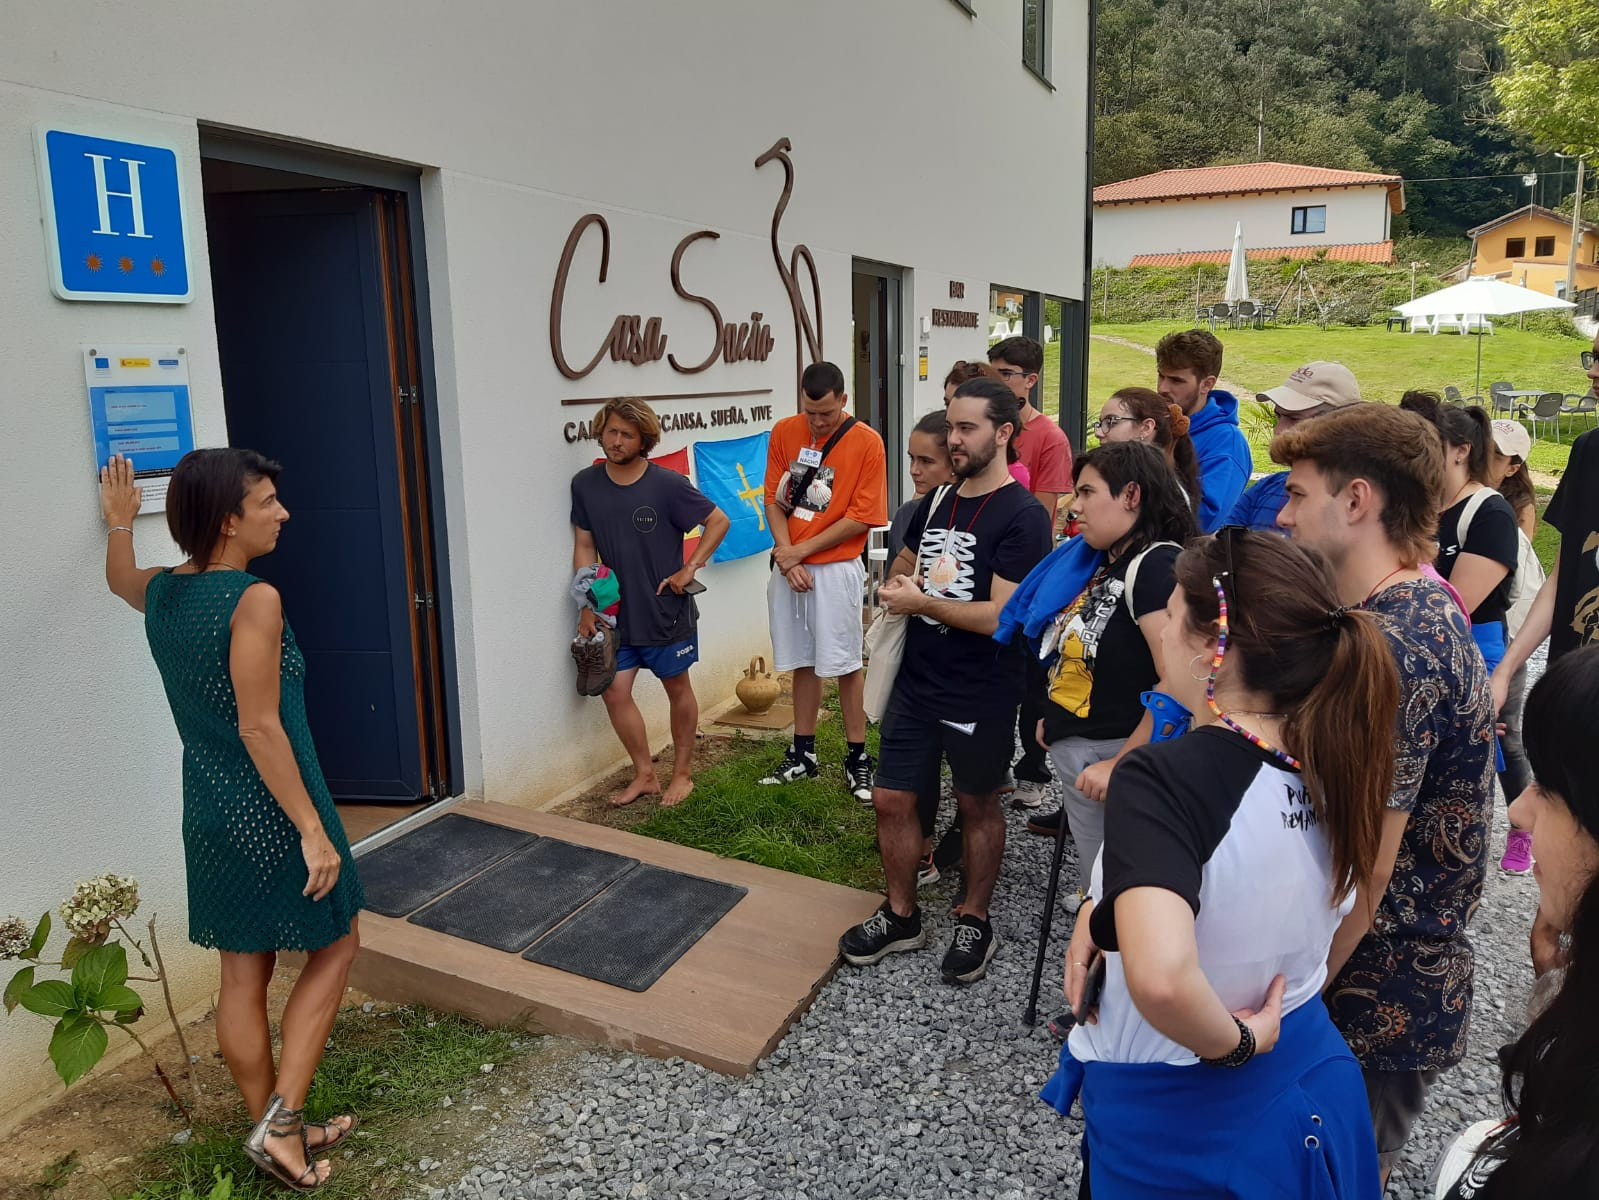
x,y
638,530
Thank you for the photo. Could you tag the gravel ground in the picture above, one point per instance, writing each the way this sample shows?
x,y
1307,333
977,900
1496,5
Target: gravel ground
x,y
896,1085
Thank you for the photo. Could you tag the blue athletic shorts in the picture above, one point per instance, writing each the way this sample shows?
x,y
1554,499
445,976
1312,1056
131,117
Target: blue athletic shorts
x,y
663,661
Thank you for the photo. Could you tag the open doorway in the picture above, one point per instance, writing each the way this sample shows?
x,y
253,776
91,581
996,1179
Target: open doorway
x,y
315,284
878,348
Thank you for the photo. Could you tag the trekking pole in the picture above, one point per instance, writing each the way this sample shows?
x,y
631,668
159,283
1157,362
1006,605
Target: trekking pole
x,y
1030,1017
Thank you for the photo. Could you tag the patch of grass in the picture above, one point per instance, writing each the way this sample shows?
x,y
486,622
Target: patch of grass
x,y
813,827
388,1067
1386,364
1545,538
53,1177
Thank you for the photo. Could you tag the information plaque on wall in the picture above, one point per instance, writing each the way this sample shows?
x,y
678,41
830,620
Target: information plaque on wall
x,y
139,408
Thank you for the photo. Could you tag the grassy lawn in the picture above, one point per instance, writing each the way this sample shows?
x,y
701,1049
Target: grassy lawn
x,y
392,1067
814,827
1386,364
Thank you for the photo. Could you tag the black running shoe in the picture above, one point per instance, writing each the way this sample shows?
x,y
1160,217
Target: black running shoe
x,y
1047,825
968,956
881,934
858,773
794,766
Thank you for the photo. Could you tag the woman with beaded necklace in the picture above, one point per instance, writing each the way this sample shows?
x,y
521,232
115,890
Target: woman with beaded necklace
x,y
269,867
1210,1066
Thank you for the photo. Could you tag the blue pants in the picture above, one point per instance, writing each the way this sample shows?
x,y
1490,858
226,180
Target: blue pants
x,y
1490,639
1293,1124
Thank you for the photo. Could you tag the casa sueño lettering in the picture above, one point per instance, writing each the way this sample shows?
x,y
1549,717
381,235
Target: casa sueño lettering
x,y
637,339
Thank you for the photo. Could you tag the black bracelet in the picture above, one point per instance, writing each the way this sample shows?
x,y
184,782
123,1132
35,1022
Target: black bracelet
x,y
1240,1054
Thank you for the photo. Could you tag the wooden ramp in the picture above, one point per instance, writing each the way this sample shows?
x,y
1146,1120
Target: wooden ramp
x,y
725,1004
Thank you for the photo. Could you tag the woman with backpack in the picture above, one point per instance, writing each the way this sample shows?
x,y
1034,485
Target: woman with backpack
x,y
1507,474
1105,642
1478,551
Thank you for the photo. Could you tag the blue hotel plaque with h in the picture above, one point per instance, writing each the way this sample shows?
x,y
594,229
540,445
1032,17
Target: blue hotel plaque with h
x,y
115,225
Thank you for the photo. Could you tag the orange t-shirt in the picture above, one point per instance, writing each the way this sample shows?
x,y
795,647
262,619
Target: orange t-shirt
x,y
852,483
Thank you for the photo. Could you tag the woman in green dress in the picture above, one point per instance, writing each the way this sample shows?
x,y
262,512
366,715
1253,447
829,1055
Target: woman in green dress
x,y
269,866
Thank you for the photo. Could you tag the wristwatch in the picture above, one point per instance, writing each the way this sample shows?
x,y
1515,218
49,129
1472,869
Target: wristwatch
x,y
1240,1054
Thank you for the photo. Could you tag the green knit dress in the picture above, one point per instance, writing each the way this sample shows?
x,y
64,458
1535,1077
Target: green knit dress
x,y
245,869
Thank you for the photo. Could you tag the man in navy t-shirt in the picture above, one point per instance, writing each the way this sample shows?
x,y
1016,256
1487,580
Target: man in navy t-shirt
x,y
633,514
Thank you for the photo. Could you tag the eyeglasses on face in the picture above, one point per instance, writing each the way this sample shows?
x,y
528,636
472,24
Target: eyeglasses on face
x,y
1105,424
1010,372
1587,359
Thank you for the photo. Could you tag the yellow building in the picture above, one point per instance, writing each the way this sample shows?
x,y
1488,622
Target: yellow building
x,y
1530,247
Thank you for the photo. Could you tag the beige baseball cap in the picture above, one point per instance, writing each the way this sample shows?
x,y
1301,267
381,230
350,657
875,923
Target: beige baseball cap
x,y
1512,439
1313,385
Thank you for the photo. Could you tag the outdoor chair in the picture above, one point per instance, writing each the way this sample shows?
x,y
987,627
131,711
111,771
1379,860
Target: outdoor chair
x,y
1448,321
1268,312
1246,313
1503,405
1476,323
1220,314
1547,409
1421,324
1583,406
1452,395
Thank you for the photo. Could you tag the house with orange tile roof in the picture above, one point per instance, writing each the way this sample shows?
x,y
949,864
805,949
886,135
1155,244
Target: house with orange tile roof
x,y
1530,247
1187,215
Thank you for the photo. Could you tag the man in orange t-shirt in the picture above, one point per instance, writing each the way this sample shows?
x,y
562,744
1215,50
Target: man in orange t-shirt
x,y
821,501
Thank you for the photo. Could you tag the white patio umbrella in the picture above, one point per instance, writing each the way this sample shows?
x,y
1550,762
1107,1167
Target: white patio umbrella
x,y
1480,296
1237,271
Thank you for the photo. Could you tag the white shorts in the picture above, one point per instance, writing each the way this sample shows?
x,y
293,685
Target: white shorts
x,y
820,628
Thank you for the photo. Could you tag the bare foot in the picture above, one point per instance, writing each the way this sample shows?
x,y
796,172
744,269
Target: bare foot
x,y
642,785
677,791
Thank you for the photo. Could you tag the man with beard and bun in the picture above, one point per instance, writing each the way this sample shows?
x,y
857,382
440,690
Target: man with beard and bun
x,y
956,692
633,515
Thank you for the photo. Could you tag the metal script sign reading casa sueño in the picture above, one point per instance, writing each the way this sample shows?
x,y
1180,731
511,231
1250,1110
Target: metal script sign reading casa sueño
x,y
637,339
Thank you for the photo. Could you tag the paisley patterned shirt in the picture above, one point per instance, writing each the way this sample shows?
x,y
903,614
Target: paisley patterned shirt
x,y
1403,1000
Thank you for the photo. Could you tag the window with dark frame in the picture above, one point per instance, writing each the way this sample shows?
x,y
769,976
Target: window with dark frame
x,y
1035,37
1544,247
1309,218
1515,247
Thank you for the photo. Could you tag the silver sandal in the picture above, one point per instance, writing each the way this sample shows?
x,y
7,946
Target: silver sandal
x,y
280,1122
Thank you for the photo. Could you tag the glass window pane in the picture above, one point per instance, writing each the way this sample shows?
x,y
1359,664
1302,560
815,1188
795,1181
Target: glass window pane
x,y
1316,219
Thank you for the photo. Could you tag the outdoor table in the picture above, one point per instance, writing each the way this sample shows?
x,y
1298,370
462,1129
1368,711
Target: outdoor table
x,y
1402,322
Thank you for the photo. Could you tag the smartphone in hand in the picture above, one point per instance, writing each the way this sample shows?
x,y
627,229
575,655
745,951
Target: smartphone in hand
x,y
1093,985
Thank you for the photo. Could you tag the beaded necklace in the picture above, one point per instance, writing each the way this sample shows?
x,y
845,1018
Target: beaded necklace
x,y
1254,739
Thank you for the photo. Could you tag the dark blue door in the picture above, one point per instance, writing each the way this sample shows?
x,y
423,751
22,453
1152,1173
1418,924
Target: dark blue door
x,y
305,326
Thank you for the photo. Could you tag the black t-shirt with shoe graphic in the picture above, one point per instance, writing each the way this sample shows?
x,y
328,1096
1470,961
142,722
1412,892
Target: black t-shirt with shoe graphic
x,y
954,674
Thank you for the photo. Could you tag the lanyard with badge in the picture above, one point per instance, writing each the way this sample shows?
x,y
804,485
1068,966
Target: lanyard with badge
x,y
945,567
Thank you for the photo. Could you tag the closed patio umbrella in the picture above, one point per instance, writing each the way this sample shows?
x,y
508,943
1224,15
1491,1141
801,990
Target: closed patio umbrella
x,y
1237,270
1480,296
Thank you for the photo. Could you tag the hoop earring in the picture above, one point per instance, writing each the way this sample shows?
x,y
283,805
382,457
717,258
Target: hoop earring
x,y
1205,658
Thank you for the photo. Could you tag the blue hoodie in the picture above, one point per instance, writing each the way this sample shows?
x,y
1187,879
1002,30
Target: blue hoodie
x,y
1224,460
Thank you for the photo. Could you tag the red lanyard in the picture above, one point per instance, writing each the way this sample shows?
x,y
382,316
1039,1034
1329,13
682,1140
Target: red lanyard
x,y
956,503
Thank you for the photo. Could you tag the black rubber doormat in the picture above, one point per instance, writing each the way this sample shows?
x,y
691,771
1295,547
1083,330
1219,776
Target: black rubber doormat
x,y
633,932
405,874
524,896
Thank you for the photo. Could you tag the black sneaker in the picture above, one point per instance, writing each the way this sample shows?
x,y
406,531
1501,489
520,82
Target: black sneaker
x,y
947,853
858,773
794,766
1047,825
926,872
884,932
967,960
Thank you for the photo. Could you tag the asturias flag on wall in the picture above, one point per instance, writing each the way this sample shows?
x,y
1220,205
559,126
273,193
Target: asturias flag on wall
x,y
732,474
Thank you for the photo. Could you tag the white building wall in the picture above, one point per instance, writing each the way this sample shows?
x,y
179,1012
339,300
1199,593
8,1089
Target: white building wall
x,y
521,117
1122,231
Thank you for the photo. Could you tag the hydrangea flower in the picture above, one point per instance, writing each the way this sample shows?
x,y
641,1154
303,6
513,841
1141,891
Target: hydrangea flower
x,y
15,937
96,902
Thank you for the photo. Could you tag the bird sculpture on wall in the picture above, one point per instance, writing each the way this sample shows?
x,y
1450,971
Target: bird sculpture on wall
x,y
807,325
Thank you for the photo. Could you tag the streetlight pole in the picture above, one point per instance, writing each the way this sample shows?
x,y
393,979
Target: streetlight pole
x,y
1576,236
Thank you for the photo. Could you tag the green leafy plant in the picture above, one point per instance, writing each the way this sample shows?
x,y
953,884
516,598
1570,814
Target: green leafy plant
x,y
94,998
